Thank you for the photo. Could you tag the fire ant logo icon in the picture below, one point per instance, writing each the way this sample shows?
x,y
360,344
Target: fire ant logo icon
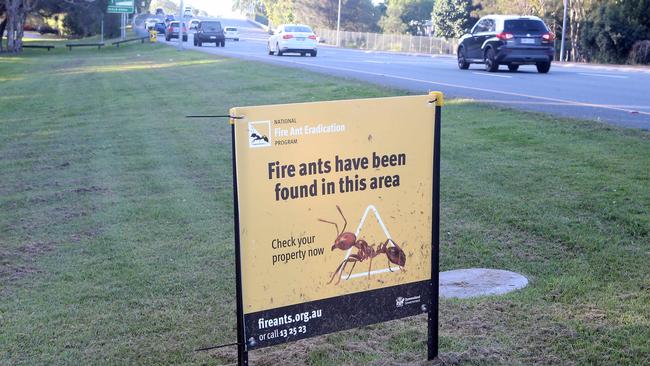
x,y
258,133
347,241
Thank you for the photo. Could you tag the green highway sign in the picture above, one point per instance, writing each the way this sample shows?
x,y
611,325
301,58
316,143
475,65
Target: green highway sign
x,y
121,6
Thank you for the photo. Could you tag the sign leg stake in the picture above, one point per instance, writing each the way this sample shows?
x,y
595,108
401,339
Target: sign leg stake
x,y
242,352
432,318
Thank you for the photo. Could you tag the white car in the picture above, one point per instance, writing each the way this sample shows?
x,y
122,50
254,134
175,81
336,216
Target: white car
x,y
293,38
231,33
194,23
150,23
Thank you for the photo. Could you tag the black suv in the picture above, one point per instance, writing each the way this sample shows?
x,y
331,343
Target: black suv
x,y
209,31
507,40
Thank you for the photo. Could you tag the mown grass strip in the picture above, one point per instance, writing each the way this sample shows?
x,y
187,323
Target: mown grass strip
x,y
116,220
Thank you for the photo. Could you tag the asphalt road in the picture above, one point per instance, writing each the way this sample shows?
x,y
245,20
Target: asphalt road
x,y
616,95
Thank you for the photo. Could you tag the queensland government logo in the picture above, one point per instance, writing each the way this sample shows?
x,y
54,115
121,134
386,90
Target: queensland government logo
x,y
401,301
259,133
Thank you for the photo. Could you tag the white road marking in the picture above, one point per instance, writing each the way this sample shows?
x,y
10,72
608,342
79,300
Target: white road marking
x,y
495,75
604,75
632,107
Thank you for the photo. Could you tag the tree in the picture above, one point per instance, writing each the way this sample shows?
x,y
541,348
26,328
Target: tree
x,y
450,17
16,13
611,29
406,16
392,22
279,11
168,6
416,14
356,15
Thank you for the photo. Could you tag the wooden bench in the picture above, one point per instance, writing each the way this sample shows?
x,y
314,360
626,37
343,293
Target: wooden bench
x,y
70,45
141,39
49,47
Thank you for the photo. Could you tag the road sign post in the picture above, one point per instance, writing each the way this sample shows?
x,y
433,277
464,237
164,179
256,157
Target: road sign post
x,y
336,216
122,7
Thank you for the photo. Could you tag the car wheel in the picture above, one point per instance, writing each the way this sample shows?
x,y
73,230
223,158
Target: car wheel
x,y
543,67
491,64
236,39
270,50
199,43
302,54
513,68
462,63
313,53
277,47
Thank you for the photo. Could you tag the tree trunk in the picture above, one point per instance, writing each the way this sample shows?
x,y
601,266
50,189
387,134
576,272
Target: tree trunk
x,y
20,31
17,11
3,26
13,7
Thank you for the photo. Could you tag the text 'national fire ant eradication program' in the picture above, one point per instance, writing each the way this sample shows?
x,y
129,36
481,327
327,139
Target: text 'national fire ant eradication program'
x,y
335,225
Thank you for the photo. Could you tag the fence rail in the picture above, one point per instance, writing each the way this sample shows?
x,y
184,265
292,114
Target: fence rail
x,y
390,42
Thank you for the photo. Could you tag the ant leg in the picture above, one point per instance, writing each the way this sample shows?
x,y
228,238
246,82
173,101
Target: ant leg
x,y
357,259
351,269
393,242
345,222
348,260
333,223
337,270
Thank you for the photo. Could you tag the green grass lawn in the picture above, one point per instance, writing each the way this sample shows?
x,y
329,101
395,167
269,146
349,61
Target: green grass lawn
x,y
116,236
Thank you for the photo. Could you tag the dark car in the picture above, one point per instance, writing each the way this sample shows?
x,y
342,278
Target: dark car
x,y
173,31
209,31
44,28
169,18
507,40
160,28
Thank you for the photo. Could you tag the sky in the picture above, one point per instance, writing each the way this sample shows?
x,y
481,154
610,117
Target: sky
x,y
213,7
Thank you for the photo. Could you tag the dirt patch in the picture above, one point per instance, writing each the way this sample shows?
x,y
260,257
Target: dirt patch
x,y
17,264
21,262
90,189
36,248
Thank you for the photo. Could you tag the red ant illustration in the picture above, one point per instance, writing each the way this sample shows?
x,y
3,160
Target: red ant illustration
x,y
346,240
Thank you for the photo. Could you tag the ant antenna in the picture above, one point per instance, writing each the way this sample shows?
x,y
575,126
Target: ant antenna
x,y
333,223
344,220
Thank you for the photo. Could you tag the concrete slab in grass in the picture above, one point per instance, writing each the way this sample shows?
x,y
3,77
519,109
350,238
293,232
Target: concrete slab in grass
x,y
473,282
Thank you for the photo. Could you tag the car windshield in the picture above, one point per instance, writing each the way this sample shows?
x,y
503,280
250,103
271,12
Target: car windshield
x,y
524,26
297,28
211,26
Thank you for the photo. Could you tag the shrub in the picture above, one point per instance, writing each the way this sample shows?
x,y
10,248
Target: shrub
x,y
640,53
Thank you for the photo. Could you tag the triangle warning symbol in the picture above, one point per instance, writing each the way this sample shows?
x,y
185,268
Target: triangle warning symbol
x,y
387,268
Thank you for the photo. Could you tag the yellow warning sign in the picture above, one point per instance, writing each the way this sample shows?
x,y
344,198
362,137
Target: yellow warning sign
x,y
335,206
153,36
